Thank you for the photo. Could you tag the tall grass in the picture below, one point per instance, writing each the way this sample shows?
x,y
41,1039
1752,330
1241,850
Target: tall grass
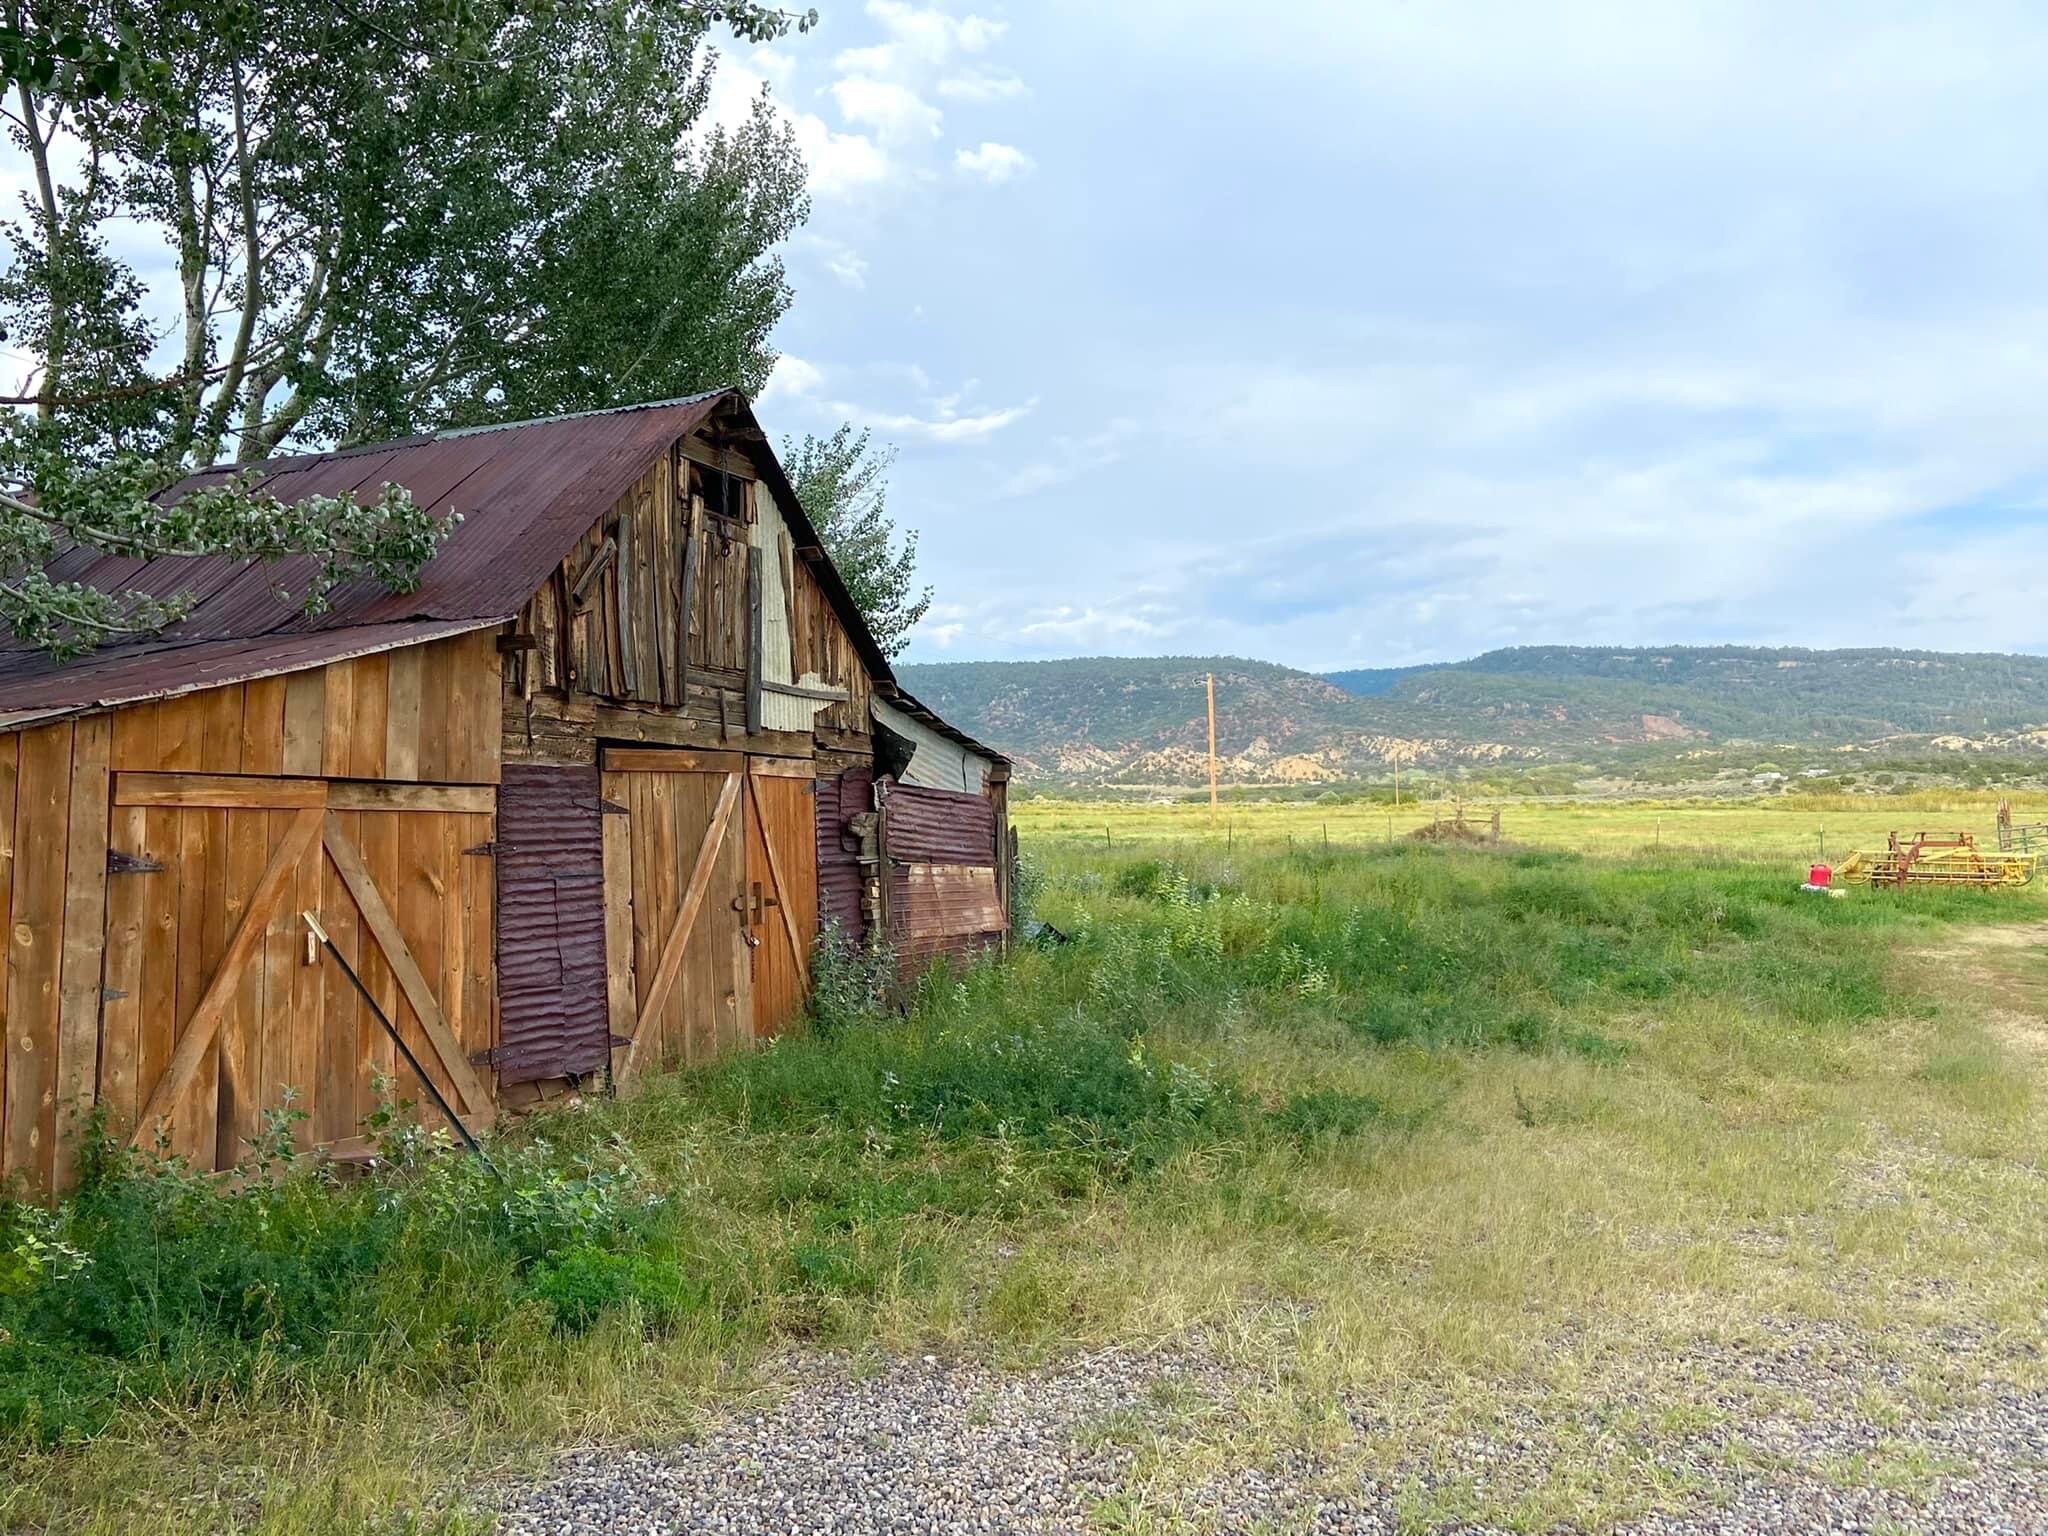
x,y
1229,1051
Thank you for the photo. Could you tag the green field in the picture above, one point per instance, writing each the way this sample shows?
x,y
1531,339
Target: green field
x,y
1516,1144
1793,829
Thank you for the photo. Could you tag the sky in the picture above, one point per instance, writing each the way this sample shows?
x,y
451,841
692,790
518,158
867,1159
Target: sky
x,y
1365,334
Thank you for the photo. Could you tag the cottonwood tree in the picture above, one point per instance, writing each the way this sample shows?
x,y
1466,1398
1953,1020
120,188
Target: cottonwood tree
x,y
839,480
279,223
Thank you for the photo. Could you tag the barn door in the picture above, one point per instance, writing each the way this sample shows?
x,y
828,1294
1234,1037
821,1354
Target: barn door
x,y
214,1004
675,893
781,902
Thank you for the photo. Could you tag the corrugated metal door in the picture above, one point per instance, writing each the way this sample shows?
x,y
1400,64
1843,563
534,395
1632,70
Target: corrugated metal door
x,y
840,878
782,888
553,1018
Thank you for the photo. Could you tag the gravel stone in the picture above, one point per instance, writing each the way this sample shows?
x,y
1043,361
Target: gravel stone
x,y
931,1447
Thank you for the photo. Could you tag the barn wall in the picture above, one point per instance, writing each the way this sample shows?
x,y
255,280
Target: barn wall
x,y
426,714
193,800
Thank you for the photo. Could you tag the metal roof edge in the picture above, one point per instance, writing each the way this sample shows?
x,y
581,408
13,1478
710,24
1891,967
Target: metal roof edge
x,y
416,632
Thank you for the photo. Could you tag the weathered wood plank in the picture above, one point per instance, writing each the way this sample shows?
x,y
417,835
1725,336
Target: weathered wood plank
x,y
668,730
305,721
203,1028
85,932
448,799
262,726
620,997
220,748
240,1096
412,897
135,738
10,765
42,825
377,918
223,791
782,768
756,640
157,1020
380,839
337,731
670,760
181,731
280,953
370,684
121,1013
403,715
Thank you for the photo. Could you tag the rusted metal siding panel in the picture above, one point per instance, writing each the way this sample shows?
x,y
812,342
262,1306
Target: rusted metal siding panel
x,y
939,826
928,920
958,912
839,872
553,1011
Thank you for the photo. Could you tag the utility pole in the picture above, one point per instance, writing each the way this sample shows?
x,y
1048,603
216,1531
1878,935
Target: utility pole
x,y
1397,781
1212,749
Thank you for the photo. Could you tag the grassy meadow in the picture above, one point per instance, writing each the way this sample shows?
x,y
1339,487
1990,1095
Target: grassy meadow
x,y
1790,827
1480,1137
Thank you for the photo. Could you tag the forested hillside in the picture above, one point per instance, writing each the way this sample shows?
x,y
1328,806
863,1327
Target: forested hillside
x,y
1142,719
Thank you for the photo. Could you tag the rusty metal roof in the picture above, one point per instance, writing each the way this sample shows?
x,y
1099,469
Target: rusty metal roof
x,y
526,491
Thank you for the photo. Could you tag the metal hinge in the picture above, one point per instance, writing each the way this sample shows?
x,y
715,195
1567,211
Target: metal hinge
x,y
482,851
119,863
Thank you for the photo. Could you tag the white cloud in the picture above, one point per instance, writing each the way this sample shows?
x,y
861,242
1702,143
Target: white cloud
x,y
941,635
791,378
1070,458
838,258
942,424
896,112
980,86
994,163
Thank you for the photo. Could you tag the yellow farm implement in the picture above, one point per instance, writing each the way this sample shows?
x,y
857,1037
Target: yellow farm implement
x,y
1925,860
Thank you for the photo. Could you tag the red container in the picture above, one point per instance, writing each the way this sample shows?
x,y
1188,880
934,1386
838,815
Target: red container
x,y
1820,874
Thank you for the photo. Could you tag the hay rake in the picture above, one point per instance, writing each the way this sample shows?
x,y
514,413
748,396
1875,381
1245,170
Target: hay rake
x,y
1925,860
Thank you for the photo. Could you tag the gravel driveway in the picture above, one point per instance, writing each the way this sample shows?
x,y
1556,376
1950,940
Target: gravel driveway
x,y
926,1445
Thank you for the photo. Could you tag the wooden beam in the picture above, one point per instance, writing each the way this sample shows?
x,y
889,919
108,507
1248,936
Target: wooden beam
x,y
689,595
607,552
452,799
668,729
670,760
218,791
204,1024
626,587
355,874
622,1003
671,963
827,695
782,767
756,641
782,904
739,466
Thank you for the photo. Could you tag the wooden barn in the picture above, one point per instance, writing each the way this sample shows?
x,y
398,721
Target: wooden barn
x,y
577,806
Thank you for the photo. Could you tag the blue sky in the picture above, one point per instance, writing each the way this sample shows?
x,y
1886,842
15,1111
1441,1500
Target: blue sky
x,y
1390,332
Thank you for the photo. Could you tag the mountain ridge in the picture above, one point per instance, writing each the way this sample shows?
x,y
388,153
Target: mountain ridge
x,y
1142,719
